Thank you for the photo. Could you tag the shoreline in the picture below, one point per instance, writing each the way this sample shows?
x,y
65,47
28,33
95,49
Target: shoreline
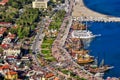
x,y
80,7
82,13
62,55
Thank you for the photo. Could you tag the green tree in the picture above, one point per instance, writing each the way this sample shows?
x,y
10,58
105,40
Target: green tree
x,y
19,32
15,4
25,31
13,30
1,50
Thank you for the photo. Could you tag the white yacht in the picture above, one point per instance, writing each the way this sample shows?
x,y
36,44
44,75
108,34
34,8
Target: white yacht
x,y
83,34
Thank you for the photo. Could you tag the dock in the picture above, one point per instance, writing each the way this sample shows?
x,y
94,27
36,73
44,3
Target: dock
x,y
82,13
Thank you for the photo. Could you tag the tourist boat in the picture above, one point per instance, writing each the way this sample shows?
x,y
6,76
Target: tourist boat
x,y
84,59
101,69
78,26
83,34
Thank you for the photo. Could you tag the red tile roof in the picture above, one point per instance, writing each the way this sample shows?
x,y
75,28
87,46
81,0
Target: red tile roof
x,y
11,72
48,75
2,30
4,46
11,57
5,23
56,78
3,2
4,67
11,36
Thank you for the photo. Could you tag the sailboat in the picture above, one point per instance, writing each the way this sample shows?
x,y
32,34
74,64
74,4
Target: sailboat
x,y
102,63
101,68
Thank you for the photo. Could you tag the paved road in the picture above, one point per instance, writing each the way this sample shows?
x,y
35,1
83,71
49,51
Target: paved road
x,y
38,41
38,38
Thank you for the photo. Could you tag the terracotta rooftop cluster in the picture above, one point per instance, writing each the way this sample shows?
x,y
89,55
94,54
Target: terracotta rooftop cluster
x,y
3,2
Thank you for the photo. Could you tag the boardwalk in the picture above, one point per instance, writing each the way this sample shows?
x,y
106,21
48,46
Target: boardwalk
x,y
82,13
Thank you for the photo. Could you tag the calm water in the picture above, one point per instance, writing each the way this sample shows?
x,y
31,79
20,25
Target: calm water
x,y
109,7
107,46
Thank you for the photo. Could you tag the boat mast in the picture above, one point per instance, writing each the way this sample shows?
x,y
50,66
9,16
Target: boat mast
x,y
102,63
96,61
86,26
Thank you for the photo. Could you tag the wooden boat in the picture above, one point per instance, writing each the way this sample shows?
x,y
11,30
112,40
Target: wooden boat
x,y
99,69
84,59
78,26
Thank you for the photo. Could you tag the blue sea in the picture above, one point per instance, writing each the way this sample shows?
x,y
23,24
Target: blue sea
x,y
106,46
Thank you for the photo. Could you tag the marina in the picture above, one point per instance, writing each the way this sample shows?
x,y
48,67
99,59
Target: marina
x,y
75,47
107,25
106,46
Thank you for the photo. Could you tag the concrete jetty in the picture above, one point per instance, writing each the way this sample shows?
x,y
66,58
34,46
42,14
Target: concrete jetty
x,y
82,13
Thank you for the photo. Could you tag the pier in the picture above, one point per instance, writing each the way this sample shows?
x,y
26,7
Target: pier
x,y
82,13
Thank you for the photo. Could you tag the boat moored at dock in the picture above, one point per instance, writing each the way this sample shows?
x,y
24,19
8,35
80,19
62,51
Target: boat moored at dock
x,y
83,34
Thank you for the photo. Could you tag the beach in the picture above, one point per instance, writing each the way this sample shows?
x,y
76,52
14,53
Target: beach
x,y
81,10
85,14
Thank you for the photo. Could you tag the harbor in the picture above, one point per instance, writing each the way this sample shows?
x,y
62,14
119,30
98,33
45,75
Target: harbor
x,y
106,46
59,40
75,47
76,41
82,13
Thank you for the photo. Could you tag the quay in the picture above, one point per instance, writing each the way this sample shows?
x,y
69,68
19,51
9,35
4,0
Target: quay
x,y
82,13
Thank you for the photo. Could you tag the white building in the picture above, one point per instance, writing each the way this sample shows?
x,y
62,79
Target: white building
x,y
40,4
11,52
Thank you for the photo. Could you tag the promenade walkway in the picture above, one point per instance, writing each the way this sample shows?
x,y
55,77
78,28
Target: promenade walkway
x,y
82,13
63,56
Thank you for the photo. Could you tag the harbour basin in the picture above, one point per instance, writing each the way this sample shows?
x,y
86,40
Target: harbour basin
x,y
106,46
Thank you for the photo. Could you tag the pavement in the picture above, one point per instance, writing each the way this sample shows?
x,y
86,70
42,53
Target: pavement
x,y
62,55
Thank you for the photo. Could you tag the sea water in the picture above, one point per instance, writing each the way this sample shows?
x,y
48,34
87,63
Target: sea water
x,y
106,46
